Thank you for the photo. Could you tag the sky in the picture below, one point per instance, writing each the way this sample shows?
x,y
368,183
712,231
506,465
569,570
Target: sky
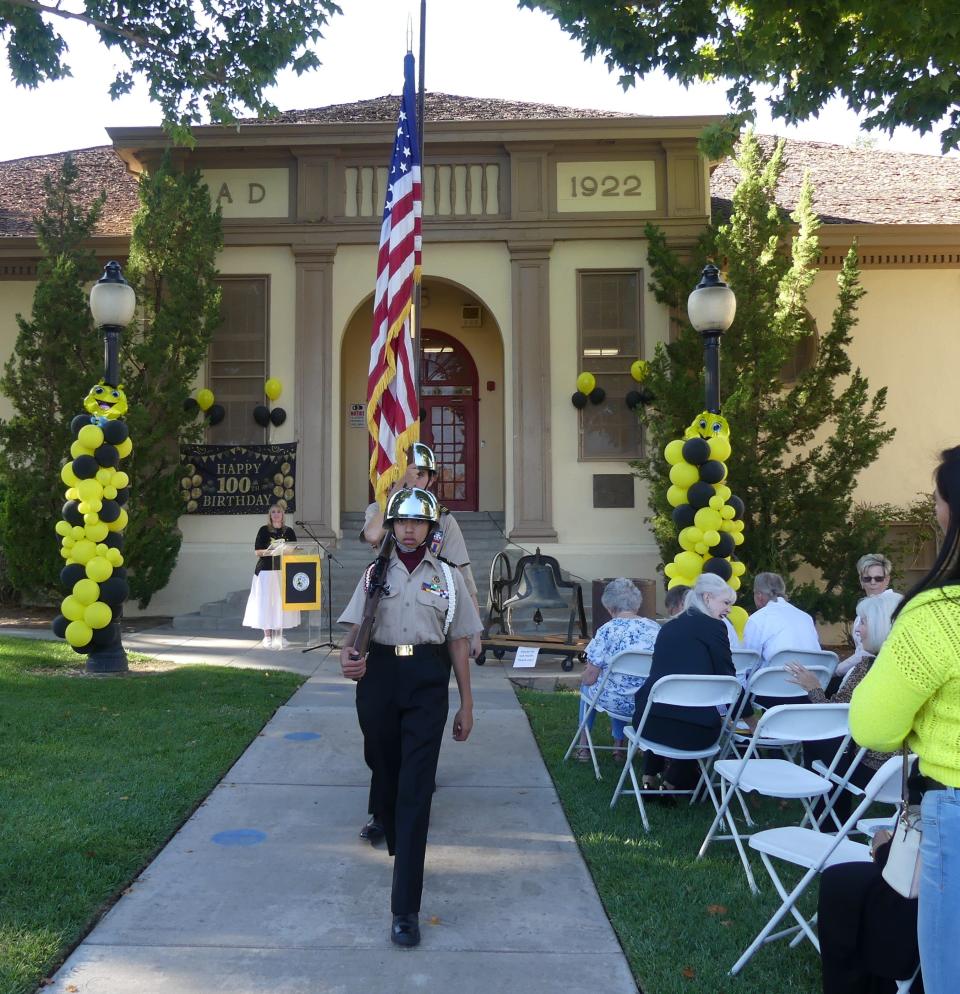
x,y
488,48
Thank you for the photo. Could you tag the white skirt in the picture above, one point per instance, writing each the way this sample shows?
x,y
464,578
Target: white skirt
x,y
265,606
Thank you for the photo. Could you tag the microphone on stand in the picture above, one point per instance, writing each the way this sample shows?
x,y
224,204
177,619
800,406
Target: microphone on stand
x,y
299,523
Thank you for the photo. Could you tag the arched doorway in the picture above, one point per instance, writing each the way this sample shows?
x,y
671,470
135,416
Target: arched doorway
x,y
449,391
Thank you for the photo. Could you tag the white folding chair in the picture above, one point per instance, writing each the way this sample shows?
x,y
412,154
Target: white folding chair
x,y
779,777
680,690
630,662
815,851
807,657
744,661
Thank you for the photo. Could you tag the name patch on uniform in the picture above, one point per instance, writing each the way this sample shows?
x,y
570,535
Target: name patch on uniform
x,y
436,542
433,587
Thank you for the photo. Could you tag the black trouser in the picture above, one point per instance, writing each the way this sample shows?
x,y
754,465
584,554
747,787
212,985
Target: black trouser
x,y
402,704
682,774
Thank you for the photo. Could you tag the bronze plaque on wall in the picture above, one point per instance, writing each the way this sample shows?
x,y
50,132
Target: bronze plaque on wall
x,y
613,490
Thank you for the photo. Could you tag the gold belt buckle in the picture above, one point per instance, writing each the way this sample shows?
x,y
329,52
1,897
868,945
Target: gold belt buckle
x,y
403,650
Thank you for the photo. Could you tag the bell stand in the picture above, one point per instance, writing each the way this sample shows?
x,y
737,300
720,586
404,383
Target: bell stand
x,y
328,557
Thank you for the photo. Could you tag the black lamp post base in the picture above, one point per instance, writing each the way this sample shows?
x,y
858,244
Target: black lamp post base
x,y
112,660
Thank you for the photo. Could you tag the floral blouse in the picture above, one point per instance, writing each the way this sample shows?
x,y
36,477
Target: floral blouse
x,y
613,637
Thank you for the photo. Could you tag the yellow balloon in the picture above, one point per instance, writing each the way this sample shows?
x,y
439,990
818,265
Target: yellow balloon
x,y
706,519
91,436
65,553
711,538
71,494
205,399
719,447
681,581
689,537
716,502
104,476
738,567
734,582
71,608
120,523
586,382
273,388
98,615
676,496
124,449
738,538
673,452
99,569
727,512
86,591
97,532
67,474
684,475
701,548
84,551
689,563
670,569
114,557
77,448
79,633
62,528
78,532
89,490
724,492
120,480
738,618
639,369
102,548
110,493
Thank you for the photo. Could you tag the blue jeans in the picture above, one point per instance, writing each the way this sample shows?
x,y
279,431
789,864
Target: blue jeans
x,y
616,727
938,924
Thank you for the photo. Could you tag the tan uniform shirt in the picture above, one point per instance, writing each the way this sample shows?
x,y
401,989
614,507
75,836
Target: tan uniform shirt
x,y
447,541
413,611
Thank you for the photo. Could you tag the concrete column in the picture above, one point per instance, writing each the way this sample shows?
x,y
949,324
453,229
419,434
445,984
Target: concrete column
x,y
532,475
314,386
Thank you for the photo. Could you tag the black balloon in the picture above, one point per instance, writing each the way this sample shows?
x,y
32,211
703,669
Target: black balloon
x,y
115,432
278,415
696,451
190,405
123,495
216,414
633,399
121,572
80,421
261,414
712,471
725,546
71,514
114,590
59,626
107,455
719,566
110,511
737,504
579,400
647,396
70,574
699,494
598,395
114,540
84,467
683,515
104,638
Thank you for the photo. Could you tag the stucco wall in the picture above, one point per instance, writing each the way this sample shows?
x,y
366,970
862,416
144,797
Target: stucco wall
x,y
16,297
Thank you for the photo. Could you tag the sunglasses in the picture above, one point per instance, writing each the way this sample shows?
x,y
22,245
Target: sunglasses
x,y
873,579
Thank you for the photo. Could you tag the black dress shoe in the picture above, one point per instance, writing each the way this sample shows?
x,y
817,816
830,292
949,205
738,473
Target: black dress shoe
x,y
405,930
372,832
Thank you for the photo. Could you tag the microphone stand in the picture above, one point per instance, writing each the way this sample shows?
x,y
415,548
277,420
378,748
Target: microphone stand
x,y
330,557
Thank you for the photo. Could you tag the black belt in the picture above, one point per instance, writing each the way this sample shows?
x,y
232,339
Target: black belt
x,y
408,650
920,783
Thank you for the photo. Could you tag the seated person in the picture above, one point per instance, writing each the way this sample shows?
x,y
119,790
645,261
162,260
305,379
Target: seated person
x,y
874,614
874,572
867,931
673,603
625,630
694,642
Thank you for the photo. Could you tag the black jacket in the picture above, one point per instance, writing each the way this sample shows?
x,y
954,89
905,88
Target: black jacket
x,y
692,643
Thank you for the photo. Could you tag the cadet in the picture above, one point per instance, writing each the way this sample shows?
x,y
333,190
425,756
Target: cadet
x,y
423,625
446,540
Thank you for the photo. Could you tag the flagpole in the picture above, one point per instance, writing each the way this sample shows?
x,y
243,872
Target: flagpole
x,y
417,320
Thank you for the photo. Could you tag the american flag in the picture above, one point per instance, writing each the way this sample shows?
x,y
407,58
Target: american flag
x,y
393,410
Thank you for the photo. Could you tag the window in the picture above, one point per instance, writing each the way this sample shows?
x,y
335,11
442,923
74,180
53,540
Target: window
x,y
237,363
609,324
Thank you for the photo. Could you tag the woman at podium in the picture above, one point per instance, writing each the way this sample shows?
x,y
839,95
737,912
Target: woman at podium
x,y
265,603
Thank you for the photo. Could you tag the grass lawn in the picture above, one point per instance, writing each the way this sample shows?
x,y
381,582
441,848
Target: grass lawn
x,y
95,775
682,922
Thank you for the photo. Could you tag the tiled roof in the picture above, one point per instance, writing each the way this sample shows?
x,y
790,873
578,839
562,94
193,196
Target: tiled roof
x,y
858,185
100,169
436,107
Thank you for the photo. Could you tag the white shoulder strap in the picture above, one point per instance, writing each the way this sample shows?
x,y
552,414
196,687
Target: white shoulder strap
x,y
451,596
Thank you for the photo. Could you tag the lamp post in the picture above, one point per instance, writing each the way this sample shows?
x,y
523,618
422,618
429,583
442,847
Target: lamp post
x,y
711,308
112,304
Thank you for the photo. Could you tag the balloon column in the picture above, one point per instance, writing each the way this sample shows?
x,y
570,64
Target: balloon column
x,y
705,510
91,529
206,402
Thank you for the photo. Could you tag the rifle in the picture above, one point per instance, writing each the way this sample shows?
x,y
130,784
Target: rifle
x,y
375,590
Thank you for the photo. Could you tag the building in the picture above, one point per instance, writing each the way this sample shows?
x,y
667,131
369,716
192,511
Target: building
x,y
534,270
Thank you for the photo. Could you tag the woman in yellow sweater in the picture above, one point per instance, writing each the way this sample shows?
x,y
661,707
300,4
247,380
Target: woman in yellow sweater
x,y
912,695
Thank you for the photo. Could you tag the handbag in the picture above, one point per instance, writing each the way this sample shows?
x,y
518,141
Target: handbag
x,y
902,870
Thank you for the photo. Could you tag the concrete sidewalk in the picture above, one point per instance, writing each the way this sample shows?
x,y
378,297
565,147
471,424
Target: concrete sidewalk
x,y
268,889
